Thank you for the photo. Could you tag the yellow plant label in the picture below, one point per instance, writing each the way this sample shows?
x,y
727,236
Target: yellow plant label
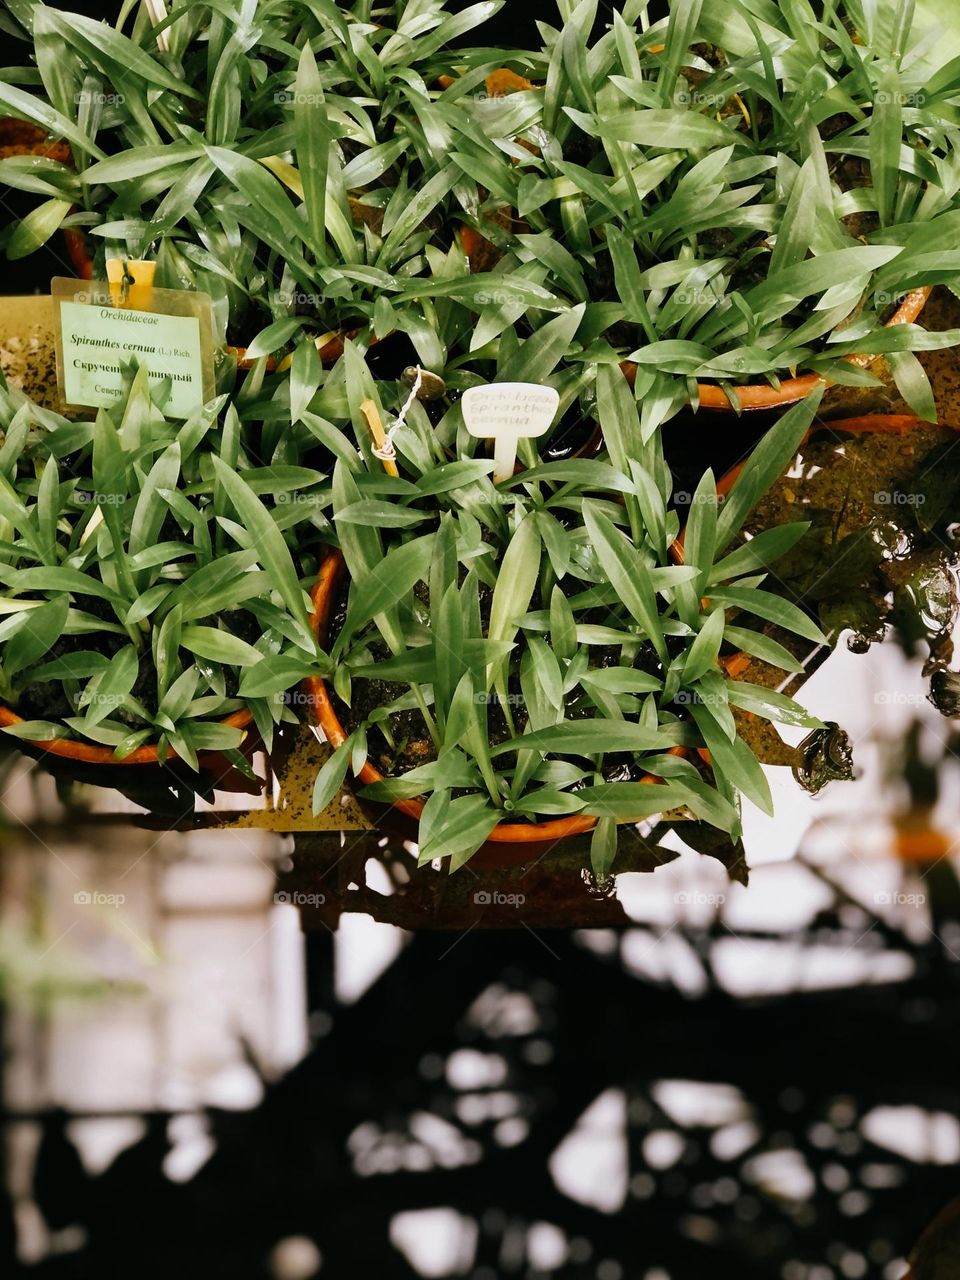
x,y
100,330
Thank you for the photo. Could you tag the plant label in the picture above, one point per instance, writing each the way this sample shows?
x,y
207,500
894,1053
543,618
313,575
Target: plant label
x,y
131,281
101,327
506,413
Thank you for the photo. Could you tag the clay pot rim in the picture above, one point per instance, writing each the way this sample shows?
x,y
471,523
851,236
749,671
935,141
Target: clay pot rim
x,y
90,753
754,396
331,575
72,237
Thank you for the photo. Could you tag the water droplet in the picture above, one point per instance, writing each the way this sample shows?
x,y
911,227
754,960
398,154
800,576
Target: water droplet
x,y
945,692
605,888
826,755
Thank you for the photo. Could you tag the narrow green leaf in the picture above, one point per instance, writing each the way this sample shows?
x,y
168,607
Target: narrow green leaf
x,y
628,574
219,646
272,550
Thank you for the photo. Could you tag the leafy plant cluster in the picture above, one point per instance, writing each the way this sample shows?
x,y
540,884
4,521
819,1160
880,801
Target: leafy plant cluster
x,y
292,160
148,591
742,189
733,192
739,190
541,645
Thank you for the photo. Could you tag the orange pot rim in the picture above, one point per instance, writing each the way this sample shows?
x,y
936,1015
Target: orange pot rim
x,y
329,353
324,596
90,753
759,395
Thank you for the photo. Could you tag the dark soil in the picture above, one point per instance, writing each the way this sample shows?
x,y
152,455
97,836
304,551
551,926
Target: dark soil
x,y
409,731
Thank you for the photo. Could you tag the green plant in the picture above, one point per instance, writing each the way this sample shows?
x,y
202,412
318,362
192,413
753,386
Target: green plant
x,y
528,649
292,160
148,591
738,191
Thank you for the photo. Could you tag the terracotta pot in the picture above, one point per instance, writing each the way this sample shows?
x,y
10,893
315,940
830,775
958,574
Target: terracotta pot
x,y
89,753
753,396
20,138
510,841
712,396
759,395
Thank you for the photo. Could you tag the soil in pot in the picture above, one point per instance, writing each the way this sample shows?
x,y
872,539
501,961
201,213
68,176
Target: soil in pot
x,y
694,443
409,744
574,436
27,357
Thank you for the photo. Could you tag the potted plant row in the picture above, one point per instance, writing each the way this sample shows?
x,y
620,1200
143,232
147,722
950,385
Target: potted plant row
x,y
296,169
517,663
746,206
510,664
659,216
750,204
150,603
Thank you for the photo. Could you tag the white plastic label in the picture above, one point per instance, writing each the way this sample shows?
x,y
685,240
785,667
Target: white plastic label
x,y
507,412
